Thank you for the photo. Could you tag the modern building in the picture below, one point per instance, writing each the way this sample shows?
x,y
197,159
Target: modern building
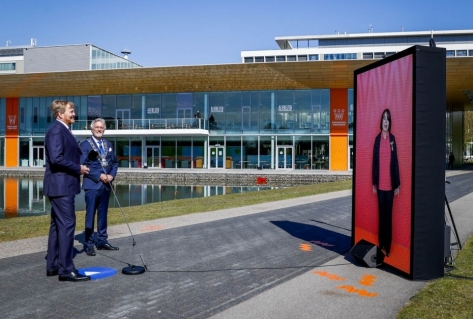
x,y
291,113
77,57
361,46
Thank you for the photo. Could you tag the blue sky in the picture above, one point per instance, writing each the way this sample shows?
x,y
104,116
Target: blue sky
x,y
186,32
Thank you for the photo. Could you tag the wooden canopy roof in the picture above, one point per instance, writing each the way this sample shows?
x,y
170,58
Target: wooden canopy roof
x,y
225,77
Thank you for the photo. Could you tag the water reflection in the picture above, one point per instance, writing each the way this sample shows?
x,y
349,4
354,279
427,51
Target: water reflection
x,y
24,196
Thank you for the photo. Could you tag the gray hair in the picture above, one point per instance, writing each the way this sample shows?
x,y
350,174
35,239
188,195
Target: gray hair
x,y
98,120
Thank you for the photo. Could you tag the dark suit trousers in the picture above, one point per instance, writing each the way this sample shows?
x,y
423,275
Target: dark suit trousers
x,y
385,199
96,200
61,234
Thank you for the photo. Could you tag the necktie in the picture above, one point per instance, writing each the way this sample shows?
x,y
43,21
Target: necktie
x,y
101,149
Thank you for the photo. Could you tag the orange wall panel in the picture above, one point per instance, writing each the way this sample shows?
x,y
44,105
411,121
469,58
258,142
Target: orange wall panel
x,y
338,151
11,132
11,197
11,152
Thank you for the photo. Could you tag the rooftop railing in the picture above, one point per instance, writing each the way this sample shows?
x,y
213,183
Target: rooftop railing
x,y
146,124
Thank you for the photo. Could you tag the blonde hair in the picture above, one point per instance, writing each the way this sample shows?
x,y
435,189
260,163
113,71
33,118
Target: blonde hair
x,y
59,106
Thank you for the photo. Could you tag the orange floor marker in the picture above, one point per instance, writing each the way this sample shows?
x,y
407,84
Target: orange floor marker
x,y
151,228
367,280
306,247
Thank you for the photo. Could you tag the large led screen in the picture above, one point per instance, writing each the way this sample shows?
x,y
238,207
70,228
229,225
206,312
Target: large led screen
x,y
383,159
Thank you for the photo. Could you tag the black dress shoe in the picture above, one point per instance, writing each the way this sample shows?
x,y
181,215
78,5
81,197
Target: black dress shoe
x,y
74,276
107,246
51,272
90,251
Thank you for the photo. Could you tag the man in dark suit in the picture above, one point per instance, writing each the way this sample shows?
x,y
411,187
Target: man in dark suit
x,y
61,185
97,185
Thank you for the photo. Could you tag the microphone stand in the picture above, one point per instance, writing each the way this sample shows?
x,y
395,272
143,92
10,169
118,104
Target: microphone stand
x,y
131,269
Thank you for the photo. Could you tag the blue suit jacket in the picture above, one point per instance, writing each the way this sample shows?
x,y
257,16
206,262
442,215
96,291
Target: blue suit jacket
x,y
92,180
63,154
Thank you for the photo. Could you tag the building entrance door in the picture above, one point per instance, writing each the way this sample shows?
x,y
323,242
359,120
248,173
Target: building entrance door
x,y
123,119
216,157
38,156
284,157
185,117
153,156
184,113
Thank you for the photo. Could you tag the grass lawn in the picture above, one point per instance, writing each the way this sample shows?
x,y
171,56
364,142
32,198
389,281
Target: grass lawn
x,y
447,297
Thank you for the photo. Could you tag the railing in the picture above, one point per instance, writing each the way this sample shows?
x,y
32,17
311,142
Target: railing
x,y
201,124
147,124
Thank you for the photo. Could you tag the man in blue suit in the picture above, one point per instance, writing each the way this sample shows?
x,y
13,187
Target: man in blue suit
x,y
97,185
61,185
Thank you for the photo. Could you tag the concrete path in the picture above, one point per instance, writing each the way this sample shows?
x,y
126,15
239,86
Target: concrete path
x,y
286,259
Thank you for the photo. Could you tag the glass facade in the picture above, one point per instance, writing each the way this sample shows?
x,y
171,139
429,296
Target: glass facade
x,y
104,60
281,129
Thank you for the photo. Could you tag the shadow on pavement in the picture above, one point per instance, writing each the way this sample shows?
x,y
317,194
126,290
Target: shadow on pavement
x,y
327,239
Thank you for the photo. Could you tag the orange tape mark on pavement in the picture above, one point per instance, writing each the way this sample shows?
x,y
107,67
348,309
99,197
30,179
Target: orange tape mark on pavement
x,y
360,292
367,280
328,275
306,247
151,228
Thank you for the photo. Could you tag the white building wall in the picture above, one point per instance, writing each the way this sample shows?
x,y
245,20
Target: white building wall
x,y
57,58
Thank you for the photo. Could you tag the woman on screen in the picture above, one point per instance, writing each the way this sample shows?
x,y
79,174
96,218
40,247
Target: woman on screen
x,y
385,179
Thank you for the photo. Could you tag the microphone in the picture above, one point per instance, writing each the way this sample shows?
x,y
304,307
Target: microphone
x,y
93,155
131,269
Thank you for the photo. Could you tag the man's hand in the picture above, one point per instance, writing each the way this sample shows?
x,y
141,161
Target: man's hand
x,y
84,170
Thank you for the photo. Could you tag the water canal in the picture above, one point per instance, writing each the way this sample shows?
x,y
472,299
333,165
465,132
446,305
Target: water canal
x,y
23,196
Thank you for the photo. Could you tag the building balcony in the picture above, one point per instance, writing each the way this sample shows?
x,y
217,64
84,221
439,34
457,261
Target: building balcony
x,y
129,127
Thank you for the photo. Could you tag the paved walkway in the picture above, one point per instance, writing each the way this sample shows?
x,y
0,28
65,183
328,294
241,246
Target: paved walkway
x,y
286,259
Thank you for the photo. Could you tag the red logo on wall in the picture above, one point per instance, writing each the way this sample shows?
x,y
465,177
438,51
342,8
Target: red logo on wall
x,y
12,117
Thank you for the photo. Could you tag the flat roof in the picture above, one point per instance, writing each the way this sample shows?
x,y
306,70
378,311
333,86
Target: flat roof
x,y
284,42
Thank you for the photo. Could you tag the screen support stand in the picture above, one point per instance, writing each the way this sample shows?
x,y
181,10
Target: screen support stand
x,y
452,220
452,223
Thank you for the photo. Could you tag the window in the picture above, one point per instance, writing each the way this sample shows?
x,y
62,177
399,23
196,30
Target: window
x,y
248,60
302,58
269,59
7,66
259,59
291,58
340,56
367,55
379,55
313,57
280,58
470,52
449,53
461,53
